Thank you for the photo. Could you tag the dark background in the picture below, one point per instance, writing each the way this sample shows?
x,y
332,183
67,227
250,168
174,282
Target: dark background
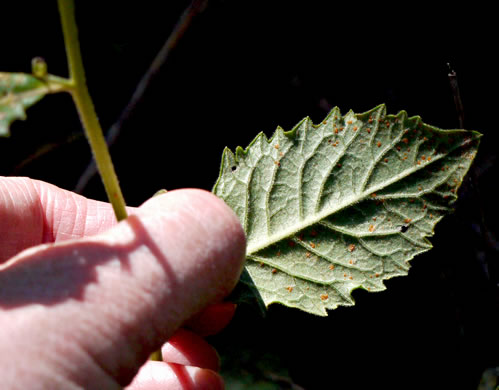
x,y
248,66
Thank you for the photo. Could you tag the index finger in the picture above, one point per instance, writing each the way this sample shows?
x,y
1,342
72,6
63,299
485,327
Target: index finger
x,y
33,212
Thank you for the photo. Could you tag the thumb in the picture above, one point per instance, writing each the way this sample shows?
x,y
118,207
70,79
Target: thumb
x,y
89,312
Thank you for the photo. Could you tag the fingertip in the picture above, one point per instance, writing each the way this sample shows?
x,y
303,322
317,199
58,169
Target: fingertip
x,y
160,375
189,349
212,319
209,380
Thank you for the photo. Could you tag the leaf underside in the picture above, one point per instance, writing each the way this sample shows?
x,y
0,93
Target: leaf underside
x,y
18,91
342,205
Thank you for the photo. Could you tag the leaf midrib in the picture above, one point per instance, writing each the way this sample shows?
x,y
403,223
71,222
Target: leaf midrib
x,y
287,233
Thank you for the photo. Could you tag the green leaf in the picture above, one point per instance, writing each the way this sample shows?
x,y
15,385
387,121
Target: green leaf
x,y
342,205
18,91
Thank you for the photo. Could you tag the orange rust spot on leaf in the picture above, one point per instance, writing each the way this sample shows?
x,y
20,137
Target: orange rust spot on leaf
x,y
371,228
405,140
349,122
312,245
307,254
276,146
350,277
324,297
379,144
368,130
377,275
289,288
351,247
355,128
274,270
407,220
331,267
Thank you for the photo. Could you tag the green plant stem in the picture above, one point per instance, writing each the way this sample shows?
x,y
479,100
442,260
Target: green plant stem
x,y
156,356
86,109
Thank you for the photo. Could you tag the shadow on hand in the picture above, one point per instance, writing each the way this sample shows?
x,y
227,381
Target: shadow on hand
x,y
63,273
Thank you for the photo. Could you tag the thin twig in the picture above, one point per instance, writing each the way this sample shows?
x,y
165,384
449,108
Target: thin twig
x,y
457,96
42,151
487,235
180,28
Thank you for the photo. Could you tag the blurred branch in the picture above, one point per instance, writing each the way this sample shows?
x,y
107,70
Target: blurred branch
x,y
196,7
44,150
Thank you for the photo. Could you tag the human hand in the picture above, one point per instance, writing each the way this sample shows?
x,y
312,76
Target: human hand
x,y
87,308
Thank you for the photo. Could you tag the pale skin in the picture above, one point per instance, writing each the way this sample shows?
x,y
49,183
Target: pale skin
x,y
85,300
